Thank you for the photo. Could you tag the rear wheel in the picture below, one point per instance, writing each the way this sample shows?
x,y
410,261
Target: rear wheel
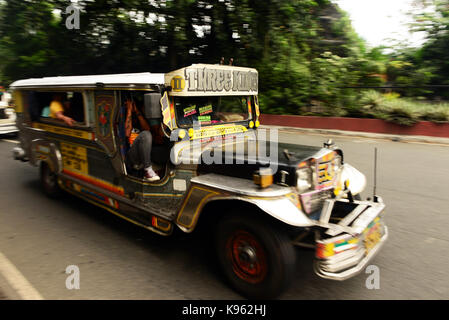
x,y
49,180
257,258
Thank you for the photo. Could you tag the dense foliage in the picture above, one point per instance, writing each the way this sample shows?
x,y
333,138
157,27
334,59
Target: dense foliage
x,y
306,51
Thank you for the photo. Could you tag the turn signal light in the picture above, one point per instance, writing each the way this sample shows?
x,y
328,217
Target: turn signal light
x,y
263,178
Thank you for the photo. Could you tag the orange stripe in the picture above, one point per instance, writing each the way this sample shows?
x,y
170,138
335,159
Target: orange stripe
x,y
95,182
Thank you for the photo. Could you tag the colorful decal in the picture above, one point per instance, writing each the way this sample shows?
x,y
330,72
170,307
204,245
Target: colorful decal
x,y
64,131
191,110
372,234
249,106
93,194
218,130
166,111
256,106
326,171
204,118
339,245
206,110
96,182
103,109
74,157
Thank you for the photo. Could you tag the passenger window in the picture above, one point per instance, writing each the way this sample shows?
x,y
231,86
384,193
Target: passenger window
x,y
70,103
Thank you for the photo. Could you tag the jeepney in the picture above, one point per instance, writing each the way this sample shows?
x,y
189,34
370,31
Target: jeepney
x,y
214,169
7,114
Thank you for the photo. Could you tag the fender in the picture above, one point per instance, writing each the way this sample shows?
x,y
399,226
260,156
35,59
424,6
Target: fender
x,y
357,180
277,201
43,150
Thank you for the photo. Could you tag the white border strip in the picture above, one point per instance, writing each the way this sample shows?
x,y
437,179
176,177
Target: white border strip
x,y
17,281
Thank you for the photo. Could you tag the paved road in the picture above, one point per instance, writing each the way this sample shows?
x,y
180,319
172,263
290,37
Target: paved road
x,y
118,260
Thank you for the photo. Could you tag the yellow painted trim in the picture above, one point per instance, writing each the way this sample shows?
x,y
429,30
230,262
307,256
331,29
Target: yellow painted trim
x,y
211,193
80,145
159,194
65,131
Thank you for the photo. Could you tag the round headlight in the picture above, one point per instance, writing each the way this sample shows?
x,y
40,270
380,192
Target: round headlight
x,y
304,180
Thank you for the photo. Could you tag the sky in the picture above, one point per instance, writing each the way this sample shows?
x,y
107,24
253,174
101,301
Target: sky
x,y
378,20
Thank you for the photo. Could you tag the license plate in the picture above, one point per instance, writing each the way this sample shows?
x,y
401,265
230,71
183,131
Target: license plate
x,y
372,235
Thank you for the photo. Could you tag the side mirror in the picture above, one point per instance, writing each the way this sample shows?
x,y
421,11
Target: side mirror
x,y
152,105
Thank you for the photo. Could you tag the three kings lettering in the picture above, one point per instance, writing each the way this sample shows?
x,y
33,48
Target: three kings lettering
x,y
216,80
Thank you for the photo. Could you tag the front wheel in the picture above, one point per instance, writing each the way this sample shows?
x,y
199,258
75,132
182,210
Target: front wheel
x,y
49,181
256,257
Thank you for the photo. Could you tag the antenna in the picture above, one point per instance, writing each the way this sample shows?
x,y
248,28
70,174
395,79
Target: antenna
x,y
375,175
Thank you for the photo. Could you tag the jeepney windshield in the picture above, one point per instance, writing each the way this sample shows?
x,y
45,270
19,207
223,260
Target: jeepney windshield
x,y
212,110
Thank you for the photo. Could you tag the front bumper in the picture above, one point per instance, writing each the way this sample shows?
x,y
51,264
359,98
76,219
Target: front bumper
x,y
338,270
351,251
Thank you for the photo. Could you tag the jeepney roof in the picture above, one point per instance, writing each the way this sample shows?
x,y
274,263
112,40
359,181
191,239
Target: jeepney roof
x,y
124,79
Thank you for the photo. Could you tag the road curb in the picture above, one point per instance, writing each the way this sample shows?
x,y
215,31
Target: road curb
x,y
358,134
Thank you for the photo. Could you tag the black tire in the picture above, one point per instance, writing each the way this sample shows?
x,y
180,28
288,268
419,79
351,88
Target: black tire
x,y
49,181
257,259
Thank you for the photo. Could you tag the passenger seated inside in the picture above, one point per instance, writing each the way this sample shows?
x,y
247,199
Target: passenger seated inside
x,y
140,140
59,107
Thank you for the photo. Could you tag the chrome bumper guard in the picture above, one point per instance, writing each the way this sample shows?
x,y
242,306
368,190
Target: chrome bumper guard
x,y
352,257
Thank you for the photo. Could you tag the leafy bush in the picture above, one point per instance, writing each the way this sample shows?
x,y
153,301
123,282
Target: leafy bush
x,y
404,111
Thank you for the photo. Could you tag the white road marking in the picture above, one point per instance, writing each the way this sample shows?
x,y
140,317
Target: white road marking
x,y
17,281
12,141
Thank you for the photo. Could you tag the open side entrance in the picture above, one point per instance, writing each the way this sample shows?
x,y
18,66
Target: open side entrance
x,y
148,105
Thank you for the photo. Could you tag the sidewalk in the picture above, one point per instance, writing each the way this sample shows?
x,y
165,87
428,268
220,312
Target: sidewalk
x,y
358,134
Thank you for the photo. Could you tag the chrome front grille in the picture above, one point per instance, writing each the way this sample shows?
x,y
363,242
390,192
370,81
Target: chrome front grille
x,y
313,201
